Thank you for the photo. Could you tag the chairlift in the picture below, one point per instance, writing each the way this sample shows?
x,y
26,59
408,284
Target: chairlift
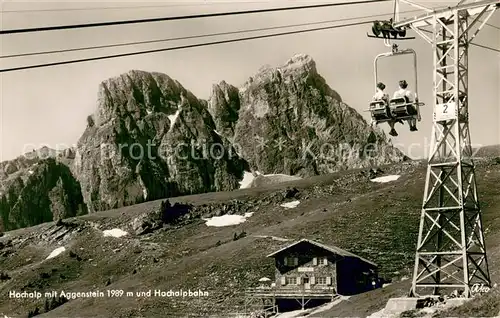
x,y
398,108
385,29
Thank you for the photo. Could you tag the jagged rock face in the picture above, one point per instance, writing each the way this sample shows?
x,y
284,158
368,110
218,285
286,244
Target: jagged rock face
x,y
10,167
290,121
151,138
224,105
21,167
42,192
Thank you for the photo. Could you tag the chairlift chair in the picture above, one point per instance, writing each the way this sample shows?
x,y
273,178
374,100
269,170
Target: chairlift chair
x,y
379,111
398,108
387,28
387,31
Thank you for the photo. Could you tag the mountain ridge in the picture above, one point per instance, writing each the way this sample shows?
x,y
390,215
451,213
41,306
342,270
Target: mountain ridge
x,y
151,138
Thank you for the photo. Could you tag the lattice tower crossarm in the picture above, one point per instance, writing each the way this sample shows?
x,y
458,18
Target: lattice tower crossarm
x,y
451,250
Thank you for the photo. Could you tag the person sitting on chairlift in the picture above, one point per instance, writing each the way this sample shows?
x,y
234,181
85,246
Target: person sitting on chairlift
x,y
381,95
405,93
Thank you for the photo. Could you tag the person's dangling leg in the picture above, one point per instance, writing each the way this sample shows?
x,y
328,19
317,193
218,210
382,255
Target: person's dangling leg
x,y
413,124
393,131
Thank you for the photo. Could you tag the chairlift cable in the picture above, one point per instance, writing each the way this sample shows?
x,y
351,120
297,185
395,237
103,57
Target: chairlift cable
x,y
178,47
166,5
485,47
187,37
184,17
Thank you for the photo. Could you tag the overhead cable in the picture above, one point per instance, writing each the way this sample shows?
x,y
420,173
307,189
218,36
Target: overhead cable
x,y
165,5
184,17
188,37
177,47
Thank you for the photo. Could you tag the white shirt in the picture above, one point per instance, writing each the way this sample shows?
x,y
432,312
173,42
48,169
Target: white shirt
x,y
402,92
380,95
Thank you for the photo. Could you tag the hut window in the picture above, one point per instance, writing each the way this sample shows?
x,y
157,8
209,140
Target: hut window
x,y
321,280
322,261
291,261
291,280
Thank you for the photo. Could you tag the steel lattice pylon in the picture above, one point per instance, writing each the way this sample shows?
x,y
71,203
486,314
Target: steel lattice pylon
x,y
451,251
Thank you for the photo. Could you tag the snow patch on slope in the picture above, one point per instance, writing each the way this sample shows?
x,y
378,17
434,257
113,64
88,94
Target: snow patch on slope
x,y
385,179
227,220
173,117
114,233
290,205
258,179
247,180
56,252
276,238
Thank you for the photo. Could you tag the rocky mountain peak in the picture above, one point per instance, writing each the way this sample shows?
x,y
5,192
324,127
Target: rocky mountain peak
x,y
301,62
41,190
284,109
151,138
137,94
155,132
224,105
298,70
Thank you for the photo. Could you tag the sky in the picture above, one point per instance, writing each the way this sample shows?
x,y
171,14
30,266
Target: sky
x,y
49,106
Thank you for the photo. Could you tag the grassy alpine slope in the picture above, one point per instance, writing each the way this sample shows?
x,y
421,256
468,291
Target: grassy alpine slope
x,y
376,221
